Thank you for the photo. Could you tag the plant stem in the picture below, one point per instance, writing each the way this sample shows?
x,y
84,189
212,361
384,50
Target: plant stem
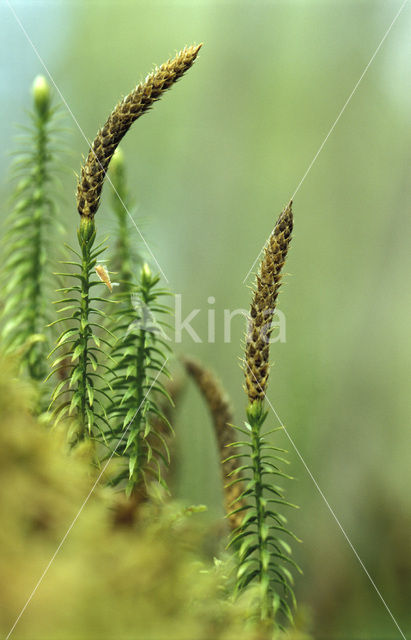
x,y
36,360
138,354
139,397
140,383
120,202
86,236
256,424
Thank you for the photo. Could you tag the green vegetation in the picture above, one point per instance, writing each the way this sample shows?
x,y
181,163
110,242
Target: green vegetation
x,y
28,238
110,369
205,173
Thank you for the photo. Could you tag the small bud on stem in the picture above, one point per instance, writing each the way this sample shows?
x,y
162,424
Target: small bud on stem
x,y
41,95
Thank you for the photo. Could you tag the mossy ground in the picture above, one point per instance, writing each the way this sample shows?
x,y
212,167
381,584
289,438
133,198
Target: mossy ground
x,y
153,578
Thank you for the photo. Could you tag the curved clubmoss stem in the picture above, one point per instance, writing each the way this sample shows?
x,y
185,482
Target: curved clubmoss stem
x,y
222,417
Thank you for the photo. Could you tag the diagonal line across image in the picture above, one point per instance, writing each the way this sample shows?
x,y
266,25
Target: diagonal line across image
x,y
79,512
107,177
330,509
322,145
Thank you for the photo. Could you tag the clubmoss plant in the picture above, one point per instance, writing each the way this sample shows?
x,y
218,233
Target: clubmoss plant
x,y
81,350
111,358
26,271
223,419
119,122
124,257
257,351
263,553
141,355
128,510
82,401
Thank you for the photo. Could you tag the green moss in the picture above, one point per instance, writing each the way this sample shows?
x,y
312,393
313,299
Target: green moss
x,y
147,580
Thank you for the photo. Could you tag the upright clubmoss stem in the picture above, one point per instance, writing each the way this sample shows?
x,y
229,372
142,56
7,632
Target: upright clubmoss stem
x,y
146,283
42,115
36,364
263,306
25,268
261,548
139,398
256,417
86,237
121,200
82,347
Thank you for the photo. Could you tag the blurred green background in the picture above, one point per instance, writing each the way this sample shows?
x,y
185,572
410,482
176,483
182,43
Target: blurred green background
x,y
211,168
